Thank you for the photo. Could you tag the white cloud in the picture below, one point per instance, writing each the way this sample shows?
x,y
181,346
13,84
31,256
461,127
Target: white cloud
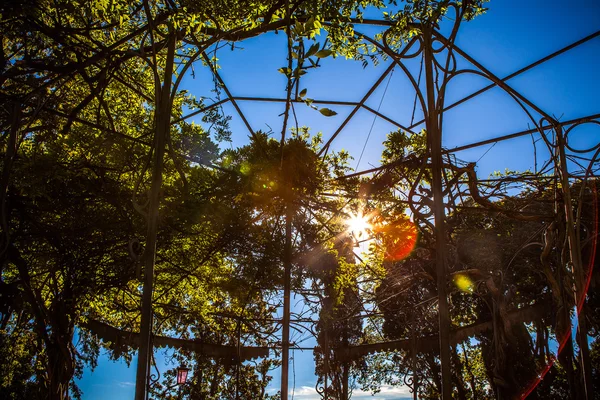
x,y
386,393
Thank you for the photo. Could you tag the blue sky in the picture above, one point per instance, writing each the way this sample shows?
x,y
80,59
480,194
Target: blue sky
x,y
511,35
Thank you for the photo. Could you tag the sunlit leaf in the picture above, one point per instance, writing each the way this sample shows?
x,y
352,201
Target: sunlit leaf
x,y
323,53
312,50
327,112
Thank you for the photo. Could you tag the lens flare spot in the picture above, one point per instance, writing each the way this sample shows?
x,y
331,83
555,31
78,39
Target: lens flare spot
x,y
399,238
227,161
245,168
464,283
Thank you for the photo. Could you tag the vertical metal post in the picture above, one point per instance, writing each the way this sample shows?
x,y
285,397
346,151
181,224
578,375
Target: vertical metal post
x,y
576,263
434,140
349,256
345,378
413,343
239,358
285,335
163,123
326,379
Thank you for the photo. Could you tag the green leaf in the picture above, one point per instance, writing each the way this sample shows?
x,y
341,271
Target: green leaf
x,y
323,53
312,50
284,70
299,72
327,112
294,55
303,93
299,28
310,23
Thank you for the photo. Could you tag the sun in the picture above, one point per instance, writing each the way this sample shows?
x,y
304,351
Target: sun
x,y
358,224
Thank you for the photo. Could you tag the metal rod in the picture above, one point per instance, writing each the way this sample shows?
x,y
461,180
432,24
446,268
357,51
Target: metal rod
x,y
228,93
239,358
522,133
163,117
285,336
516,73
332,102
283,100
478,144
493,77
388,119
203,109
434,138
357,107
576,264
413,346
345,378
326,347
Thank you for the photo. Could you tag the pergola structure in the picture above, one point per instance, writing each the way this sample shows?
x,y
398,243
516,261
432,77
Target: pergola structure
x,y
452,183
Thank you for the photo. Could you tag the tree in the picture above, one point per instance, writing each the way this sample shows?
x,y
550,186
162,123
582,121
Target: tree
x,y
88,86
495,261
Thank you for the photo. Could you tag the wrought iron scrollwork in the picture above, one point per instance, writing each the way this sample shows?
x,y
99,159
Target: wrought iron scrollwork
x,y
154,378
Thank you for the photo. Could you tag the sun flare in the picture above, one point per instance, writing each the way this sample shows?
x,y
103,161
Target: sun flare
x,y
358,224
